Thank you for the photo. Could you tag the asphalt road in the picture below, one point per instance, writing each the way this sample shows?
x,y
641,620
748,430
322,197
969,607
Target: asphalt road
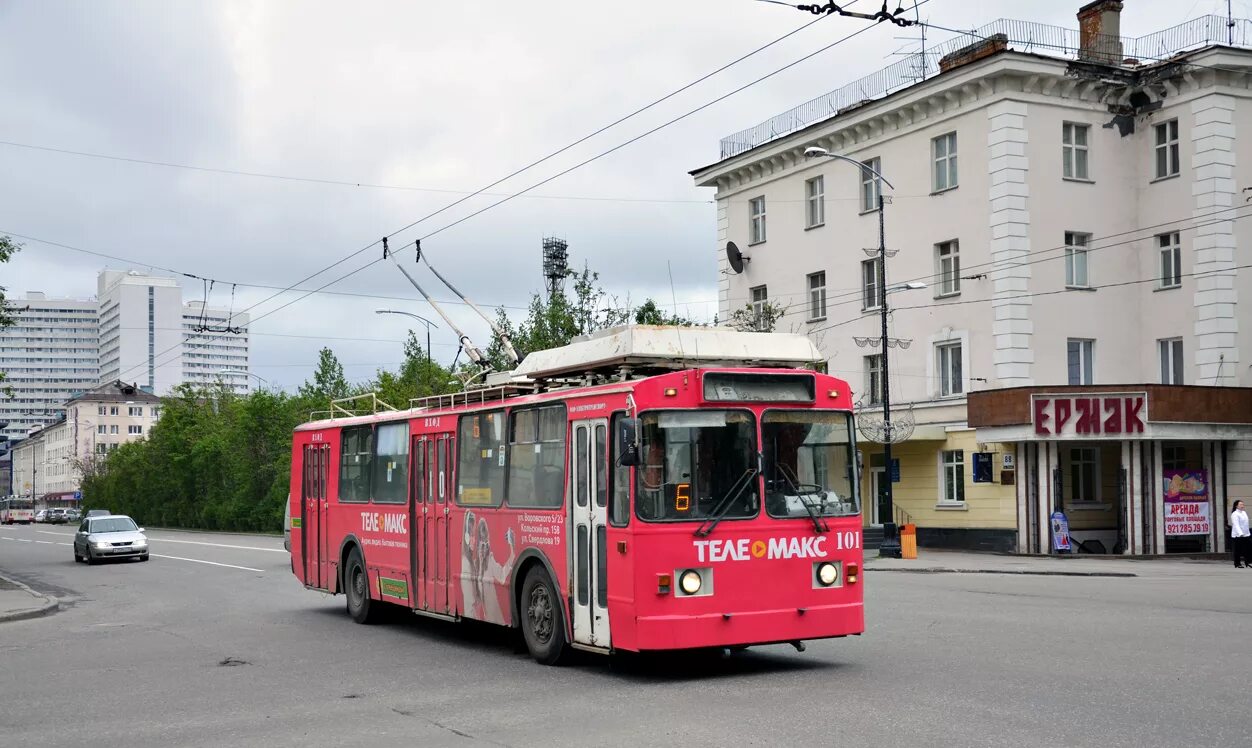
x,y
214,643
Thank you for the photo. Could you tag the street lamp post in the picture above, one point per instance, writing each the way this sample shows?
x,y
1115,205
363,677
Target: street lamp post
x,y
891,540
417,317
244,373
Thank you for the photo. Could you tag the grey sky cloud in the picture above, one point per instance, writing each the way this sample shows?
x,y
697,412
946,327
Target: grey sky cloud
x,y
442,95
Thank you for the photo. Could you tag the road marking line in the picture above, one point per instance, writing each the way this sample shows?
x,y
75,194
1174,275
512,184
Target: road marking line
x,y
8,538
45,542
211,563
65,544
23,540
61,534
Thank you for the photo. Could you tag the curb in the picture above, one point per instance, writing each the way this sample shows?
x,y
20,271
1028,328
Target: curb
x,y
936,570
51,604
216,532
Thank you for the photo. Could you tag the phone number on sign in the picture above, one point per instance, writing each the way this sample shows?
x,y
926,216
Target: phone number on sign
x,y
1187,528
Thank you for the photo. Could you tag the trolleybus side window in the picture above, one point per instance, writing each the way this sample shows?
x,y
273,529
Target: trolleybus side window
x,y
536,457
356,456
619,507
580,471
391,463
697,465
602,482
480,459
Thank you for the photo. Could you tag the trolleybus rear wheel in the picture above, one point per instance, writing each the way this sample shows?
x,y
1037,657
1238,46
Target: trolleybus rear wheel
x,y
357,589
543,623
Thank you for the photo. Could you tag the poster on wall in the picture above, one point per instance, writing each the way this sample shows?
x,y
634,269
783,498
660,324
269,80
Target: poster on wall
x,y
1187,502
1060,532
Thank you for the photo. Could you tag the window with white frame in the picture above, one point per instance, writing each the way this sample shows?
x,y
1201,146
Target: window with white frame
x,y
156,412
953,476
948,366
871,185
759,299
756,212
1074,150
135,411
113,429
1079,354
871,284
101,410
112,410
1167,161
1171,360
1076,275
134,429
814,203
943,151
948,268
100,448
1170,248
1084,482
873,378
817,296
102,429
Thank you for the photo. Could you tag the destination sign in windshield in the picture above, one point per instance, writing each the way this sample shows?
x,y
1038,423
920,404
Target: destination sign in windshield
x,y
786,388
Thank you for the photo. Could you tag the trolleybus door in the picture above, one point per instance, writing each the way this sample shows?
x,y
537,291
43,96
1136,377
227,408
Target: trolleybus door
x,y
313,516
417,522
443,498
589,546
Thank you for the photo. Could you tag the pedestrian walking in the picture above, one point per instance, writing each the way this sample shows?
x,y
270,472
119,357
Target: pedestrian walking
x,y
1240,540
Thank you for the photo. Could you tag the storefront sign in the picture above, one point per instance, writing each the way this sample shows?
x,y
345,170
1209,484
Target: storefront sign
x,y
1088,416
1187,502
1060,532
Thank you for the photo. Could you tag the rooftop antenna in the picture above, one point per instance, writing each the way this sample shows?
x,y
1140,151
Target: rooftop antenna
x,y
467,345
501,334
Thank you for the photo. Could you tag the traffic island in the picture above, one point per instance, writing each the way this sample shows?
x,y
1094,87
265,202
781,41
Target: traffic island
x,y
19,602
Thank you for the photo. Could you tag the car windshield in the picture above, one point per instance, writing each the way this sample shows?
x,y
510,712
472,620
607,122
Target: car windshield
x,y
696,464
808,464
114,524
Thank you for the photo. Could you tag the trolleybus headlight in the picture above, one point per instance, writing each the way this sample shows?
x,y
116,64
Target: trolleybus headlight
x,y
827,573
689,582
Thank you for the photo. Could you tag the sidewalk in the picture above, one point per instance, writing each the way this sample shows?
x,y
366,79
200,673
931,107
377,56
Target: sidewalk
x,y
19,602
935,561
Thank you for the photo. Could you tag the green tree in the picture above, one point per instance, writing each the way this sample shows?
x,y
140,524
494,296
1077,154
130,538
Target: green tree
x,y
764,318
650,313
328,379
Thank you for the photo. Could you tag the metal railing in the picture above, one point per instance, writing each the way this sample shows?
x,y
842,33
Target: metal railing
x,y
370,398
1022,36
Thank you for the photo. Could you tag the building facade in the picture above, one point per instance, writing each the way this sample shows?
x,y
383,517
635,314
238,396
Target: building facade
x,y
215,347
1073,209
140,329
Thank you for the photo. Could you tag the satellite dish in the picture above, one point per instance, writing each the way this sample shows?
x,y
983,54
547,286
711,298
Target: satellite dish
x,y
735,257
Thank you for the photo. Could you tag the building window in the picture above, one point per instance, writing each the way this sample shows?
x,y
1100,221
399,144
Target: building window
x,y
102,429
156,412
101,448
873,378
1167,149
1173,457
1171,259
756,208
871,185
1074,150
759,300
112,410
871,282
953,476
101,410
948,362
1083,482
1076,259
1078,355
814,201
943,150
536,476
134,430
948,268
817,296
1171,360
135,411
113,429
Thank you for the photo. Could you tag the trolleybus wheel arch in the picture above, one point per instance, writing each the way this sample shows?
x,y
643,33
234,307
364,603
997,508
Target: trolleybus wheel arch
x,y
357,589
542,618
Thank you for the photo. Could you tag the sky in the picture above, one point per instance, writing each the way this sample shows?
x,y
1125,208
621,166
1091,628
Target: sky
x,y
413,105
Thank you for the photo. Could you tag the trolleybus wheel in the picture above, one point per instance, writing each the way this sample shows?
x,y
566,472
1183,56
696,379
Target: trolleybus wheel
x,y
357,586
543,624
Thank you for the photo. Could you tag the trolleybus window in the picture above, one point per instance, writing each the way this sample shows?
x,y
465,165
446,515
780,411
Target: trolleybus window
x,y
697,465
355,457
808,463
391,463
619,509
480,459
537,457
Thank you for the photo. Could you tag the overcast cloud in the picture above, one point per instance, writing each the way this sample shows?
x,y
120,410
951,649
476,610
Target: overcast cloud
x,y
446,96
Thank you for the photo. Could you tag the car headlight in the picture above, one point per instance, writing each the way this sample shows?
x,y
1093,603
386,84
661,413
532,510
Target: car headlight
x,y
101,544
689,582
827,574
141,541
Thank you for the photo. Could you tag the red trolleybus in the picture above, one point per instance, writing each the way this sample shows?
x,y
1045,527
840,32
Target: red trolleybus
x,y
17,509
710,505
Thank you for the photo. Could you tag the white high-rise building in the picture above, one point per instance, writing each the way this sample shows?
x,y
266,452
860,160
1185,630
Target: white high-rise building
x,y
140,330
215,346
47,355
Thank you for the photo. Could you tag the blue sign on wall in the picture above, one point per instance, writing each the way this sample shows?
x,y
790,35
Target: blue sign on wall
x,y
895,470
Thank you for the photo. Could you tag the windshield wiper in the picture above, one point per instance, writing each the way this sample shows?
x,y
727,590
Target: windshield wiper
x,y
819,525
726,503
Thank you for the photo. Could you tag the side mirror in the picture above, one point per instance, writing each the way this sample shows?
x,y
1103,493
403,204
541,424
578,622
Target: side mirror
x,y
141,529
628,438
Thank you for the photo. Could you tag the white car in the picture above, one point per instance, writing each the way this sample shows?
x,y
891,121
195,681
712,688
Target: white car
x,y
111,536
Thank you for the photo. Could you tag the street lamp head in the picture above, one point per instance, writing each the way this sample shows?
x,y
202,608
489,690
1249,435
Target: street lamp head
x,y
814,151
914,286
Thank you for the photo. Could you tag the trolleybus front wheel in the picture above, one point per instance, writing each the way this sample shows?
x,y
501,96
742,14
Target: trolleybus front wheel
x,y
543,623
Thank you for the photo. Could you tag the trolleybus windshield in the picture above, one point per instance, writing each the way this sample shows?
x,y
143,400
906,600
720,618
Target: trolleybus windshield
x,y
808,461
693,466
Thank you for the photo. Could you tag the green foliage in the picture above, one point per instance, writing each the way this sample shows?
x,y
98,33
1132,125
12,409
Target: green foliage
x,y
650,313
328,380
749,318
